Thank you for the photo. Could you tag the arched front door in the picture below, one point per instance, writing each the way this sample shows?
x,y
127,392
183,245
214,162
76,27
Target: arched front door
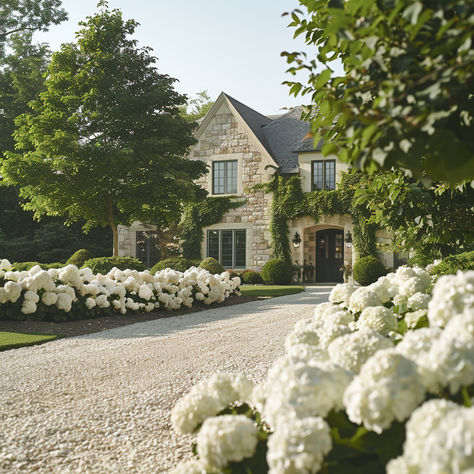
x,y
329,255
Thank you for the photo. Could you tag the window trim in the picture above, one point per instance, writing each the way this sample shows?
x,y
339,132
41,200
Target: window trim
x,y
313,187
220,231
225,175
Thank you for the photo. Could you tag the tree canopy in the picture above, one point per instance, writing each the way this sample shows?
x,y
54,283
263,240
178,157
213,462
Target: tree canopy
x,y
197,107
406,99
20,18
104,142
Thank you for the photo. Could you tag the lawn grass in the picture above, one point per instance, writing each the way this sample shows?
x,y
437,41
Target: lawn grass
x,y
13,340
270,290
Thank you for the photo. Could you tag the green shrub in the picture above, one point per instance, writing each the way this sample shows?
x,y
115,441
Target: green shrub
x,y
251,277
105,264
78,258
212,266
450,265
277,272
25,266
178,263
367,270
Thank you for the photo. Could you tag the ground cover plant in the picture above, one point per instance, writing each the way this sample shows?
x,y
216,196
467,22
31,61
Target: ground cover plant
x,y
380,379
66,293
13,340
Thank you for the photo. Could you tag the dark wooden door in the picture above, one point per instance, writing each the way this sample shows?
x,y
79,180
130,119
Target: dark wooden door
x,y
329,255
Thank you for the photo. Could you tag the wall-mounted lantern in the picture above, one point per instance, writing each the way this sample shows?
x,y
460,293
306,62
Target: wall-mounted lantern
x,y
348,239
296,240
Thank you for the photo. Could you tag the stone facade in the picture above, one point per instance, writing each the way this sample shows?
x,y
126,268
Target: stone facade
x,y
225,138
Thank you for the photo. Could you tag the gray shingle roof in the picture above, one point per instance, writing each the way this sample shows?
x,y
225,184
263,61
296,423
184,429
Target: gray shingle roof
x,y
282,136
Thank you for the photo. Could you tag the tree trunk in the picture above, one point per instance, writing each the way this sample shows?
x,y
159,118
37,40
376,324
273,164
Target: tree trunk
x,y
113,226
115,232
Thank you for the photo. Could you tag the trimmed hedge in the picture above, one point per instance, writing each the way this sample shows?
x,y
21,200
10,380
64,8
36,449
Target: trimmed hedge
x,y
251,277
78,258
212,266
277,272
177,263
25,266
105,264
450,265
368,270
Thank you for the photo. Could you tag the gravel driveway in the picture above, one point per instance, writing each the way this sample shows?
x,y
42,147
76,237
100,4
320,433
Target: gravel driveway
x,y
101,402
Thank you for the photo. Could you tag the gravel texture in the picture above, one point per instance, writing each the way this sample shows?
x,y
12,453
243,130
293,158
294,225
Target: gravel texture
x,y
101,402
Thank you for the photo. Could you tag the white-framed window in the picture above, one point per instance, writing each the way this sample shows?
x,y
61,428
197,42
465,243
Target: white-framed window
x,y
323,174
224,177
228,246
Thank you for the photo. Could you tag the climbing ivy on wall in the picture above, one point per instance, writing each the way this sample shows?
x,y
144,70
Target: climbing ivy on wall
x,y
199,215
289,202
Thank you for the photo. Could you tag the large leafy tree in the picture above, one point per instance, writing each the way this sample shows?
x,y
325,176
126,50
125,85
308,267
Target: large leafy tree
x,y
428,222
406,97
105,142
20,18
197,107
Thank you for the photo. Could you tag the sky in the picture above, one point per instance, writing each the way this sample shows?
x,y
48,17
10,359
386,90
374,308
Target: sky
x,y
213,45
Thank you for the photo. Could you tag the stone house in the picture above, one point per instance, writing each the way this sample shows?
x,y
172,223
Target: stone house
x,y
243,148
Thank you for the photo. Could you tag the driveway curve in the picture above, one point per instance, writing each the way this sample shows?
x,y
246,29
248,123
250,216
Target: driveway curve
x,y
101,402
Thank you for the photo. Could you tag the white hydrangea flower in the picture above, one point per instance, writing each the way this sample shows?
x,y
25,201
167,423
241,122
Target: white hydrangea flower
x,y
362,298
301,336
3,296
225,439
452,354
64,302
102,301
387,388
351,351
306,352
28,307
341,293
5,264
31,296
44,281
49,298
13,291
416,345
298,446
208,398
418,301
413,317
384,289
90,303
305,389
378,318
145,292
443,433
451,295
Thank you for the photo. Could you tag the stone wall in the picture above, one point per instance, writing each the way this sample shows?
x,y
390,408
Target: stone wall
x,y
225,138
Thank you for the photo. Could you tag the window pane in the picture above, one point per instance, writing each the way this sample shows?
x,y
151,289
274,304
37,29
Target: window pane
x,y
239,248
317,175
218,168
231,177
226,245
213,244
330,181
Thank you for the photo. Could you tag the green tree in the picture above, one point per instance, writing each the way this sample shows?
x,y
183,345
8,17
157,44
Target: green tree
x,y
197,107
20,18
406,99
104,142
433,222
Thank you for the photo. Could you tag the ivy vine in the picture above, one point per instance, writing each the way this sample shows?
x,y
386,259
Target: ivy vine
x,y
290,202
202,214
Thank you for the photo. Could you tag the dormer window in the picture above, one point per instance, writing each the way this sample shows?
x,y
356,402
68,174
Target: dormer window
x,y
224,177
323,175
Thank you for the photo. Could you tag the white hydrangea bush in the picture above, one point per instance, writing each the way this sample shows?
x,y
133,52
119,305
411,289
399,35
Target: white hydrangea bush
x,y
72,293
381,377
